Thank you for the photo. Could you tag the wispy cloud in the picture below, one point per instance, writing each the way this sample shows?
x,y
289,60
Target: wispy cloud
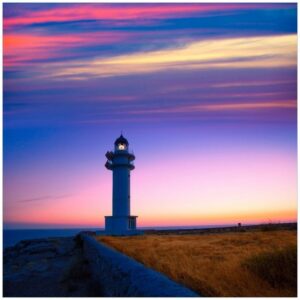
x,y
250,83
288,104
124,12
251,52
27,48
44,198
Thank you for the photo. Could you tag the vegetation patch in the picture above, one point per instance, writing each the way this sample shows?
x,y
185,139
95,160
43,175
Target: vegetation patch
x,y
277,267
228,264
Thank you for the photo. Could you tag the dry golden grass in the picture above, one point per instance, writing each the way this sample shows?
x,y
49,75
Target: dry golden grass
x,y
213,264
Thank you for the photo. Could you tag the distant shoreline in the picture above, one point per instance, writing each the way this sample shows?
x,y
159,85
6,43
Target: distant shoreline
x,y
157,227
224,229
12,236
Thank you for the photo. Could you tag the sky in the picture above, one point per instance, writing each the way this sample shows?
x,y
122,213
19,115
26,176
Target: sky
x,y
206,95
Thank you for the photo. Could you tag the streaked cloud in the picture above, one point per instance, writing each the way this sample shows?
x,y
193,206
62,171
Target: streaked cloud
x,y
250,83
44,198
124,12
25,49
251,52
290,104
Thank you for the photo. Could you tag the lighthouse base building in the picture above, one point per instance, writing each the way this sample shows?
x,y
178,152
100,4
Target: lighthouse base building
x,y
120,163
121,225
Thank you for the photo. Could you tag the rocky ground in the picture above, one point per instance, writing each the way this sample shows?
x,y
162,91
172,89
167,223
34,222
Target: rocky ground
x,y
53,267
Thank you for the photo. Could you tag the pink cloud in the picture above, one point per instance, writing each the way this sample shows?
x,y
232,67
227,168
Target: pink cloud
x,y
21,49
116,13
289,104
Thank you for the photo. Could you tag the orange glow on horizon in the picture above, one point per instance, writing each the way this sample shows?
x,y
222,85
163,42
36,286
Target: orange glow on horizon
x,y
95,220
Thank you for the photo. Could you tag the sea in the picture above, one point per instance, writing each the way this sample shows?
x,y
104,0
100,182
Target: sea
x,y
12,236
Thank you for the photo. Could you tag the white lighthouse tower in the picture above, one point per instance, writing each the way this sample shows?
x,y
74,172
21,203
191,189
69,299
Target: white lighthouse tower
x,y
120,162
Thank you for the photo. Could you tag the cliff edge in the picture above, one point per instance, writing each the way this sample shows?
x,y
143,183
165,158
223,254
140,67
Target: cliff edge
x,y
52,267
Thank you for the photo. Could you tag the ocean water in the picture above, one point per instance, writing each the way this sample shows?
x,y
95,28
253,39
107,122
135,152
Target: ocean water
x,y
13,236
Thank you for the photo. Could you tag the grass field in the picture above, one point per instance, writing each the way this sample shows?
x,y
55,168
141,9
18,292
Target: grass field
x,y
257,263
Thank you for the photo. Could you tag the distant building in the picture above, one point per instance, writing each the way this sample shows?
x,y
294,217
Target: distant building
x,y
120,162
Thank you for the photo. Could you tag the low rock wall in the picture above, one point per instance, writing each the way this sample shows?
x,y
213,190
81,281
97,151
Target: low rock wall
x,y
120,275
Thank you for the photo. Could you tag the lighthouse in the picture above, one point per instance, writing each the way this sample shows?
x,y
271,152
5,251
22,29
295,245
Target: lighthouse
x,y
120,162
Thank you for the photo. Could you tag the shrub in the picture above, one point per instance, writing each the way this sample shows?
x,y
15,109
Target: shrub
x,y
278,267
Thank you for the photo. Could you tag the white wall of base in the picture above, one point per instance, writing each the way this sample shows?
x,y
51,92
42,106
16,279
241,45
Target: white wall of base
x,y
121,225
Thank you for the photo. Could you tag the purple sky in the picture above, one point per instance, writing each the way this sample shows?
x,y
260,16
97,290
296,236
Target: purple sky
x,y
206,94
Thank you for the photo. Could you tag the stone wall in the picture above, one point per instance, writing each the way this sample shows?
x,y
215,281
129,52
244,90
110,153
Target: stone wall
x,y
120,275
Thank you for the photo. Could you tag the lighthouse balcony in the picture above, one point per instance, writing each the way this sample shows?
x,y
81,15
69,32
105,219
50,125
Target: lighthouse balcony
x,y
109,165
110,155
131,156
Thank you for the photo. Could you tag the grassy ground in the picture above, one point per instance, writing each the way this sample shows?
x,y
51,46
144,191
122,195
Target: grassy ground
x,y
262,263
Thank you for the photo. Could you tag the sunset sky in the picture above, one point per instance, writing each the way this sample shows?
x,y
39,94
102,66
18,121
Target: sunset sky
x,y
206,95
